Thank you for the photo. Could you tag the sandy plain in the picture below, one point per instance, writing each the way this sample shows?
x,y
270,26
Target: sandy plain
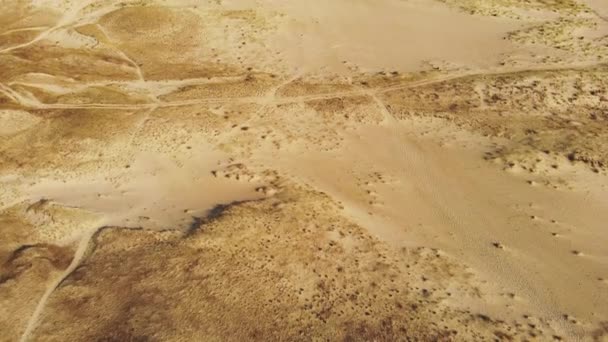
x,y
390,170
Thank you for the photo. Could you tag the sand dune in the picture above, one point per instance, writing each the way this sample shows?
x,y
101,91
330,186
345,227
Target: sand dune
x,y
278,170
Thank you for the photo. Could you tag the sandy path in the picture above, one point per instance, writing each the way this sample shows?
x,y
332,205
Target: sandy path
x,y
78,257
266,99
69,18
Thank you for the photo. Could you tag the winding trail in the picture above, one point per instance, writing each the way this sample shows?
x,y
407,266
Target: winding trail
x,y
24,29
9,92
69,19
270,100
78,257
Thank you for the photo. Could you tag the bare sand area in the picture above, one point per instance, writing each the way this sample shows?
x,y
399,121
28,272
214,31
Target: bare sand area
x,y
230,170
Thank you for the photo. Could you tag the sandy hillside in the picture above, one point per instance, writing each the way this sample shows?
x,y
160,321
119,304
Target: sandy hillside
x,y
271,170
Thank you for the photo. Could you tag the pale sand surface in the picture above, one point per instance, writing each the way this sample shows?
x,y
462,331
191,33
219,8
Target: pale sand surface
x,y
235,170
